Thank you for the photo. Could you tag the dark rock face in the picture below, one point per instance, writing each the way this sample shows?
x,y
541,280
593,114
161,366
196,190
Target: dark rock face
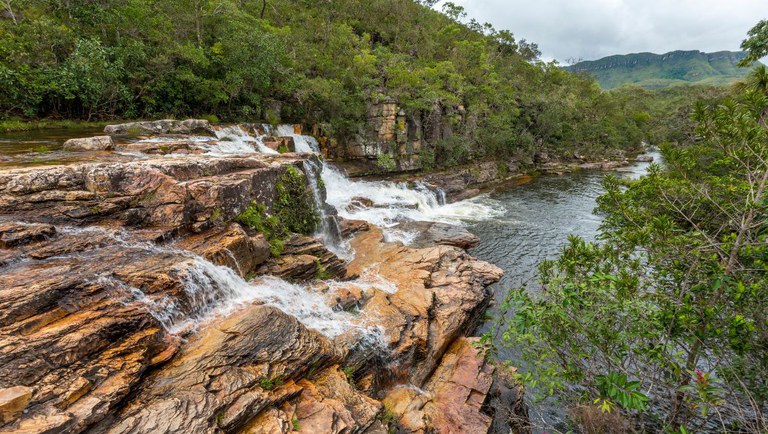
x,y
167,126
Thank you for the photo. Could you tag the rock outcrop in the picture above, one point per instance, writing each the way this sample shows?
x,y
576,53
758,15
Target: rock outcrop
x,y
124,308
166,126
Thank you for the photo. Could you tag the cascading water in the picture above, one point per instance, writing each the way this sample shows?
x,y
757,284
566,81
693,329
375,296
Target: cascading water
x,y
212,291
329,230
394,202
234,140
301,142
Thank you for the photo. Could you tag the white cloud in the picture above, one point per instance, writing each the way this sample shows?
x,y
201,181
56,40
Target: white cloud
x,y
590,29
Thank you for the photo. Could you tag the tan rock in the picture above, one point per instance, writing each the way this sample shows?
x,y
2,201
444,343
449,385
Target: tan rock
x,y
166,126
13,400
98,143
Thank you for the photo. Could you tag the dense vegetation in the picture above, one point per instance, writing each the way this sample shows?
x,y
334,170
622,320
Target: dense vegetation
x,y
656,71
661,325
316,62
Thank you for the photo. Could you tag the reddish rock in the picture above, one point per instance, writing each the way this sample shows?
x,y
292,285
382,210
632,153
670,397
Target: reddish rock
x,y
284,144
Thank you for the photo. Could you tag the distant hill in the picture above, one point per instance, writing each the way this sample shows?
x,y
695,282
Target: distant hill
x,y
654,71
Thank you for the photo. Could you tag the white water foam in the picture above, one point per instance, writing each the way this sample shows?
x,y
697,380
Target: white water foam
x,y
234,140
329,230
212,291
301,142
394,202
216,291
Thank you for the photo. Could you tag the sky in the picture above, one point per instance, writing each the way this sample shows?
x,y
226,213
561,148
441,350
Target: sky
x,y
591,29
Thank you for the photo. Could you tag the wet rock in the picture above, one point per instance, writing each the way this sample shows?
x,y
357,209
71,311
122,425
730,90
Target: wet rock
x,y
441,295
305,258
13,400
434,233
231,247
228,374
280,144
98,143
166,126
16,234
182,193
358,203
351,227
644,158
505,402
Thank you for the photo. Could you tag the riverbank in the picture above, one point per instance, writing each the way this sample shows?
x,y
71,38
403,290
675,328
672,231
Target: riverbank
x,y
18,125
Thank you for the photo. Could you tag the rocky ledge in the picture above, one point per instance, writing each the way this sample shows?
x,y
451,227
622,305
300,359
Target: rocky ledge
x,y
132,301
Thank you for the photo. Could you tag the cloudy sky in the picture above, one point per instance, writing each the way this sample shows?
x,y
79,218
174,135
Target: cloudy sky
x,y
591,29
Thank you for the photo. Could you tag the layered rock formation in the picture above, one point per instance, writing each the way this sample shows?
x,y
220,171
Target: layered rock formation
x,y
124,307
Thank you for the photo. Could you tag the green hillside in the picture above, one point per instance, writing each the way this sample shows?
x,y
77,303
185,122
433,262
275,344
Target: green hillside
x,y
655,71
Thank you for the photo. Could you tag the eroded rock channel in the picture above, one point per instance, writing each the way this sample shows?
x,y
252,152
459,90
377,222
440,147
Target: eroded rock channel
x,y
221,290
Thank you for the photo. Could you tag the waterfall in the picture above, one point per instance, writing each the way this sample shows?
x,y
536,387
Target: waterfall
x,y
211,291
329,230
234,140
393,202
301,142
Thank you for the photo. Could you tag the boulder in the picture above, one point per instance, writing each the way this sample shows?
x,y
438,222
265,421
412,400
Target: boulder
x,y
644,158
435,233
231,247
351,227
441,296
228,374
166,126
98,143
16,234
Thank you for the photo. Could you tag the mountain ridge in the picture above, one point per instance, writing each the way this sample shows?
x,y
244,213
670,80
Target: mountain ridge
x,y
654,71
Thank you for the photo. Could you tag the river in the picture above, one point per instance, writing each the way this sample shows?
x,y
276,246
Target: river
x,y
537,218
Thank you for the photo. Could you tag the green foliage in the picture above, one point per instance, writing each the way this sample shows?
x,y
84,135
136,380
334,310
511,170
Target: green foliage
x,y
349,372
679,281
267,383
295,423
386,162
478,91
617,388
295,206
656,71
294,211
322,272
756,44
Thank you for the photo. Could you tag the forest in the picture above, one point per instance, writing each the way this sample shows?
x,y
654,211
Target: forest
x,y
317,63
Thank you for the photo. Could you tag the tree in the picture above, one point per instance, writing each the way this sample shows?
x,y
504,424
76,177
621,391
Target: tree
x,y
667,315
756,44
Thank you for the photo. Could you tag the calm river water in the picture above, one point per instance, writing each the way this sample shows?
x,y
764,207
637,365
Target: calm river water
x,y
536,223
